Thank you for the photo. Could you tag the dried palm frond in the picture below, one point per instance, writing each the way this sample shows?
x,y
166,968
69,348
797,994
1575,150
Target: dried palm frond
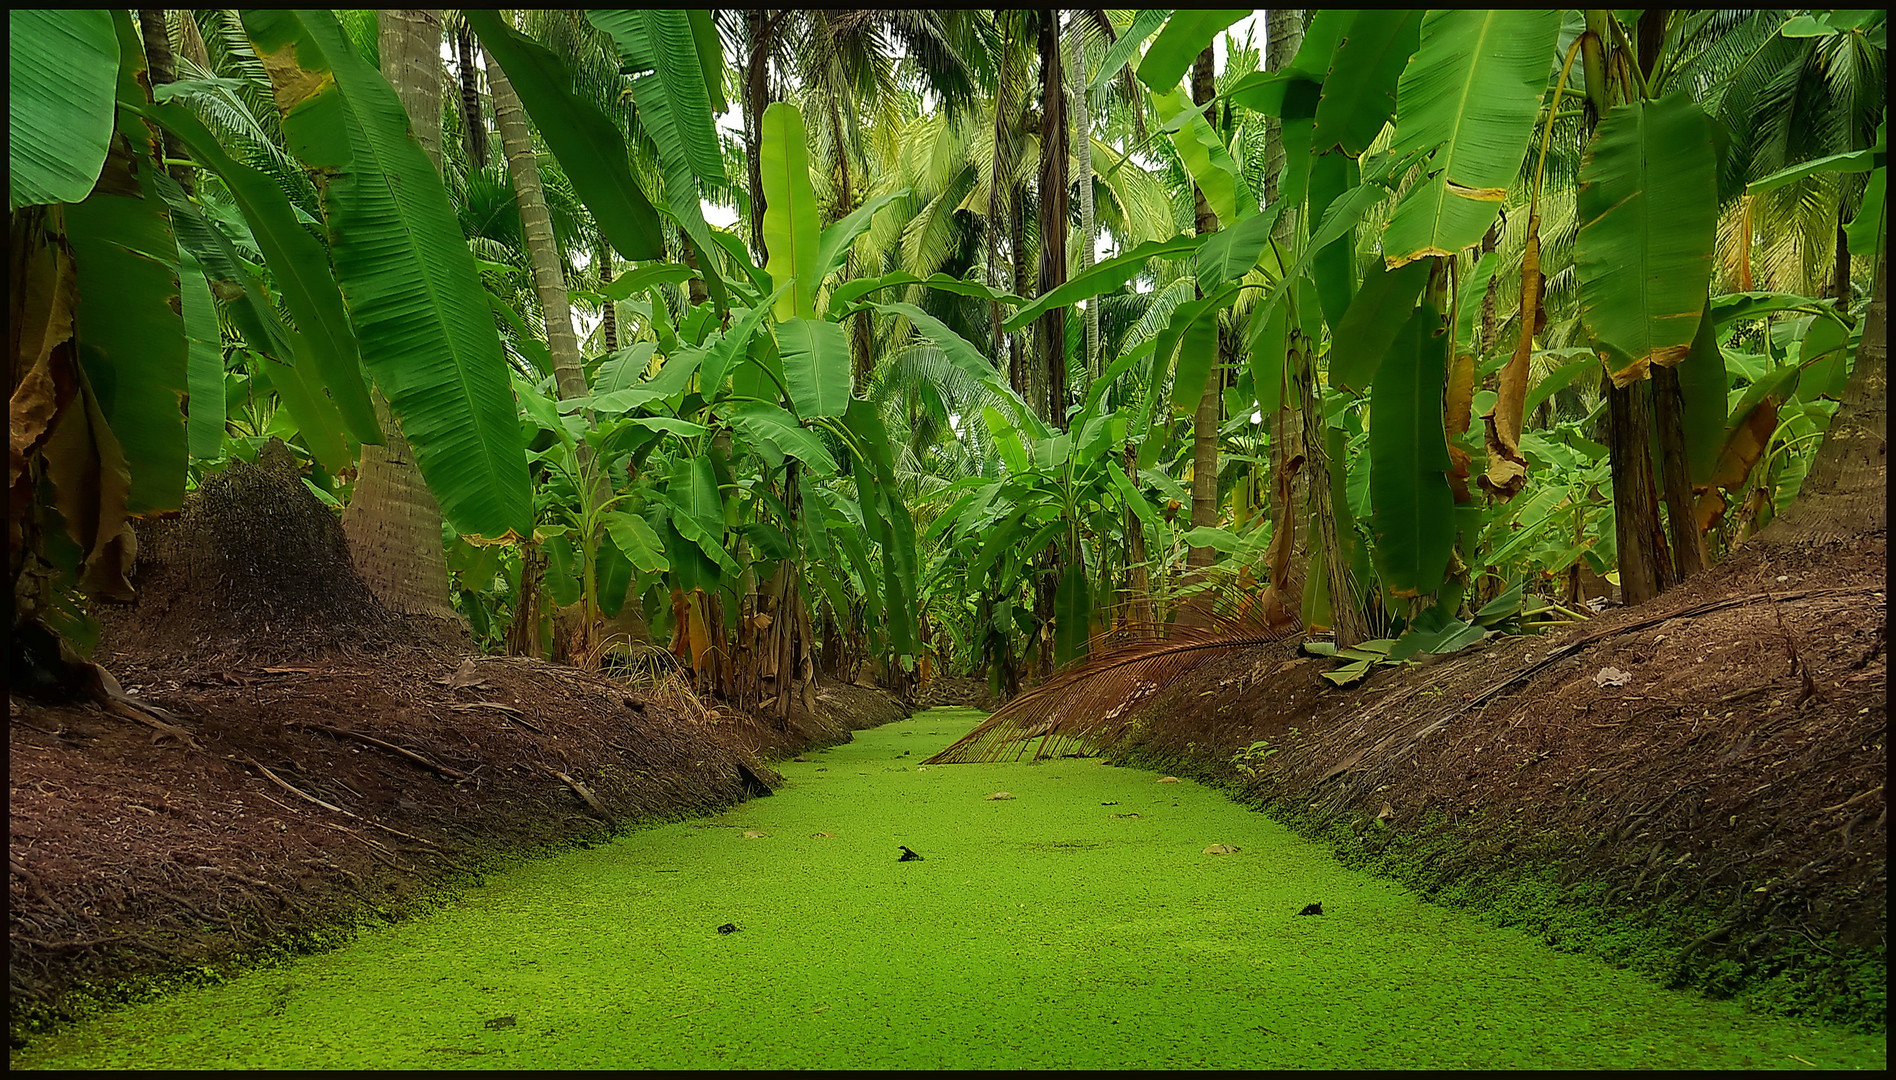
x,y
1091,704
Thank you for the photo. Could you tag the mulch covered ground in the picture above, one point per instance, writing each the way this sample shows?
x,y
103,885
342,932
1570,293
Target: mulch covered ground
x,y
1710,764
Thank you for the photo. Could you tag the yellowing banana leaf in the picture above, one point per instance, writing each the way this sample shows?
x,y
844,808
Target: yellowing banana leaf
x,y
1648,214
1470,94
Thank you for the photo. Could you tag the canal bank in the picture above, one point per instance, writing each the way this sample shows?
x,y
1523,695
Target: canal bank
x,y
1088,921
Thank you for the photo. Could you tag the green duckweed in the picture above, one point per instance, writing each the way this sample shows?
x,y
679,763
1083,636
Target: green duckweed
x,y
1080,924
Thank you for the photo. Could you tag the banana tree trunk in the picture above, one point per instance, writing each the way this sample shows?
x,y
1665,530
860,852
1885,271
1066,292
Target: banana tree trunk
x,y
393,523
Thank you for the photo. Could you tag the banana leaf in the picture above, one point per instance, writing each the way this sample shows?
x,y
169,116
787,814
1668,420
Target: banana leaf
x,y
410,285
1648,221
62,78
1470,94
590,148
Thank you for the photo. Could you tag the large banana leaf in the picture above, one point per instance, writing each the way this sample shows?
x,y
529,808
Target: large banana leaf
x,y
405,271
1144,24
1374,320
766,423
792,231
131,338
1411,505
735,342
816,365
127,324
1072,612
1185,35
298,386
667,102
1470,93
590,148
886,520
1359,92
1230,253
837,238
300,267
62,73
1648,209
1332,175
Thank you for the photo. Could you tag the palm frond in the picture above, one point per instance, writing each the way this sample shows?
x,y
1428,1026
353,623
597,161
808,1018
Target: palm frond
x,y
1091,705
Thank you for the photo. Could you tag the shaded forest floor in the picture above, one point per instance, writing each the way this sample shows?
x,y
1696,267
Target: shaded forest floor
x,y
1693,787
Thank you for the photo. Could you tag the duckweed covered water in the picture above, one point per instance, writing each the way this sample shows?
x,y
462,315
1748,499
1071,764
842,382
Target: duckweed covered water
x,y
1079,925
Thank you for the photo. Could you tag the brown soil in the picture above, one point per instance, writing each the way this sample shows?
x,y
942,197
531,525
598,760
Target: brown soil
x,y
1725,804
336,764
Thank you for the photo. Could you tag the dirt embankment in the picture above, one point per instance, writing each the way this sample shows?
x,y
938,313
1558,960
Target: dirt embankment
x,y
1693,787
320,763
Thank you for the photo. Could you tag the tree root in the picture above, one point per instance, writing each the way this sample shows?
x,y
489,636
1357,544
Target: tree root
x,y
452,774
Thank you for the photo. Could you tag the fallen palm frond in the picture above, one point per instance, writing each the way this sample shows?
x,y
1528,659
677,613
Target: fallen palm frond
x,y
1091,704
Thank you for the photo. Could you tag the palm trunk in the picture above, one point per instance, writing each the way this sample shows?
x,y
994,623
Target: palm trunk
x,y
1050,329
393,523
1846,494
475,128
1083,149
161,68
1205,423
1000,182
556,308
609,313
756,97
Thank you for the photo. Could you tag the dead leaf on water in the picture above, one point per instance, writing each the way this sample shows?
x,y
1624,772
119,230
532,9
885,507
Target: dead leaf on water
x,y
1222,849
1168,779
822,836
753,834
1000,796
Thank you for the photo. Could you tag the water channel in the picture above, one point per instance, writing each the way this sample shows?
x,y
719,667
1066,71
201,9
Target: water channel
x,y
1079,924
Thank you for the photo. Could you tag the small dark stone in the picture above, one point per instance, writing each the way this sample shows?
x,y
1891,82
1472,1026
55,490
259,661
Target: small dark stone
x,y
1312,909
728,928
907,855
